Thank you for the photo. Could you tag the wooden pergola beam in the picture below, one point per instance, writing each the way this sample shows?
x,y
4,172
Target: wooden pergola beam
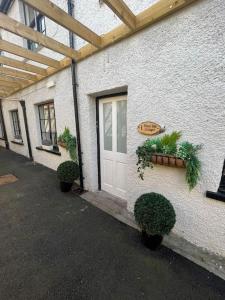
x,y
9,84
153,14
60,17
16,73
120,8
20,51
22,82
22,65
28,33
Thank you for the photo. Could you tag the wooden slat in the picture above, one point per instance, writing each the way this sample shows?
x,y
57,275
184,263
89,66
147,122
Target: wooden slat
x,y
154,13
7,90
20,74
151,15
22,65
26,32
9,84
120,8
21,81
20,51
59,16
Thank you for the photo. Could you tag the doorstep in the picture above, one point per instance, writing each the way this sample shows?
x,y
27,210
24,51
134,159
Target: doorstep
x,y
112,205
117,208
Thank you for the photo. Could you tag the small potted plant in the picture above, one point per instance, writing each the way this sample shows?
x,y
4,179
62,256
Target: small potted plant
x,y
67,172
69,142
156,217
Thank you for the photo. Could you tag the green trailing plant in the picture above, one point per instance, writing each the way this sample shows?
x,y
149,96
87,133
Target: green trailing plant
x,y
188,152
168,144
68,171
70,143
154,214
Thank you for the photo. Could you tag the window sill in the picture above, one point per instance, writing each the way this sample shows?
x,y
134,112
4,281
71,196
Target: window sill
x,y
2,139
216,196
18,143
49,151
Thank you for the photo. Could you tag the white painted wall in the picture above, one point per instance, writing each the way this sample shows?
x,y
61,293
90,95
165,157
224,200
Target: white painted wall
x,y
64,110
174,75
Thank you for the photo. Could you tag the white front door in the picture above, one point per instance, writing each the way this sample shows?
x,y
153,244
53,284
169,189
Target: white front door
x,y
113,145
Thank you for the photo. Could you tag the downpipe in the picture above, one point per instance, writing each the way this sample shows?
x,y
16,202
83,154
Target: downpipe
x,y
75,98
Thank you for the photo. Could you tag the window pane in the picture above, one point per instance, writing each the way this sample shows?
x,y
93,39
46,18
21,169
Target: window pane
x,y
107,120
122,126
48,124
16,124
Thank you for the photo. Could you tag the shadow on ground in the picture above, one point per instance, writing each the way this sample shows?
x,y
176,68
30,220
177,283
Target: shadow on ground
x,y
56,246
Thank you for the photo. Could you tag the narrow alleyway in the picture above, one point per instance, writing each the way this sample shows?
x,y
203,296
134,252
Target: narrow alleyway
x,y
57,246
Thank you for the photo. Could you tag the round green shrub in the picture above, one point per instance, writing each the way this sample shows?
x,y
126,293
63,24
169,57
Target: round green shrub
x,y
68,171
154,214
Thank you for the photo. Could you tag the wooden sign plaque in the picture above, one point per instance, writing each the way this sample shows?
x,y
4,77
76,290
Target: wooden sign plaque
x,y
150,128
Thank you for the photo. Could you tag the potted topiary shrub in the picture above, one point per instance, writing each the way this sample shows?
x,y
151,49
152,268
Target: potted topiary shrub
x,y
67,172
156,217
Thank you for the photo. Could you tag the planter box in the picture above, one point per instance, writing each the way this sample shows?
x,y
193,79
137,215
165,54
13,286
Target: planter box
x,y
167,160
61,144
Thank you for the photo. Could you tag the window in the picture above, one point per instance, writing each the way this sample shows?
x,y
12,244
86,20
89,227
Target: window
x,y
16,124
36,21
1,127
47,124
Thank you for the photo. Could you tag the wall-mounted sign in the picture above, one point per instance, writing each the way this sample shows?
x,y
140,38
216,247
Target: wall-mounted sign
x,y
150,128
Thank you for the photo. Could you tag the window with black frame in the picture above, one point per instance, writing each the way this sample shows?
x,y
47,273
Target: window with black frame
x,y
16,124
36,21
1,127
48,124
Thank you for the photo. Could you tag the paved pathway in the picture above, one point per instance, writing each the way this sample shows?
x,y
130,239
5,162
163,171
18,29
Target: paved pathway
x,y
56,246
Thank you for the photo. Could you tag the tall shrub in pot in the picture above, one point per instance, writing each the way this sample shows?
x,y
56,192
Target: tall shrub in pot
x,y
67,172
156,217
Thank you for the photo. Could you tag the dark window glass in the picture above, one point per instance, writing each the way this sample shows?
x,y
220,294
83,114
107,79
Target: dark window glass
x,y
1,127
48,124
16,124
36,21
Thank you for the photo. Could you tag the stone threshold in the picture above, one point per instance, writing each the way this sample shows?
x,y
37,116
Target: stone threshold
x,y
117,208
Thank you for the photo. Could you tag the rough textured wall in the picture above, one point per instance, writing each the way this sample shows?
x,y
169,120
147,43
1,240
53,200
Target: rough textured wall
x,y
174,73
64,110
7,106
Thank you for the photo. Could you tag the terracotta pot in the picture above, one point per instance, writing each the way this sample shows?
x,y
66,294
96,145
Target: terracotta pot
x,y
159,160
179,162
165,160
61,144
172,161
154,159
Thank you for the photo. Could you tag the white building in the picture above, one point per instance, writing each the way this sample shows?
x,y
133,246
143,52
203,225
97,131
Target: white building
x,y
171,72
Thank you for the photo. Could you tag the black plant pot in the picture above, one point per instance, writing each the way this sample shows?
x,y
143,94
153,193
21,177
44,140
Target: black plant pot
x,y
65,186
151,241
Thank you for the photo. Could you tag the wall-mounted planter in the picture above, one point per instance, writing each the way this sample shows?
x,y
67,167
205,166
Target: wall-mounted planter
x,y
61,144
167,160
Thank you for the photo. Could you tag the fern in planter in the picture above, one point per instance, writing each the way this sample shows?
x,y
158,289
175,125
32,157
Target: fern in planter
x,y
188,152
168,144
70,142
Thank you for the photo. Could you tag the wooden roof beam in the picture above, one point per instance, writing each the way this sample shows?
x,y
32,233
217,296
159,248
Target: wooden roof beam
x,y
19,74
120,8
9,84
28,33
56,14
22,65
21,82
20,51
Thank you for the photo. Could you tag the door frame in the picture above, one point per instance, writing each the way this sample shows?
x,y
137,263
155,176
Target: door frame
x,y
98,133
